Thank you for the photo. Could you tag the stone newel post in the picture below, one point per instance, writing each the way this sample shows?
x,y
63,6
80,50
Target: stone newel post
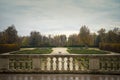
x,y
36,64
94,64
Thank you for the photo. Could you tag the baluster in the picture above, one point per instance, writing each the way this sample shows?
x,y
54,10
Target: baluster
x,y
109,64
15,65
119,64
48,63
62,63
103,64
23,65
79,66
18,64
68,63
114,64
84,63
45,63
57,63
31,64
87,63
12,64
100,64
51,63
73,62
40,63
106,64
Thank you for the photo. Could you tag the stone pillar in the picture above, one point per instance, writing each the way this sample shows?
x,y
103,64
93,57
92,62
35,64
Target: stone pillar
x,y
36,64
94,64
4,64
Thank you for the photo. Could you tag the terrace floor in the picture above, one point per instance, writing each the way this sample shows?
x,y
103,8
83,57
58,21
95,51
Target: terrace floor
x,y
59,50
58,77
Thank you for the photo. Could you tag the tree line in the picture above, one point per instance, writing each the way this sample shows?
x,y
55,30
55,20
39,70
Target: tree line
x,y
83,38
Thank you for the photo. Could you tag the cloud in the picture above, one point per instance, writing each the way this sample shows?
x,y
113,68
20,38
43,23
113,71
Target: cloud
x,y
59,16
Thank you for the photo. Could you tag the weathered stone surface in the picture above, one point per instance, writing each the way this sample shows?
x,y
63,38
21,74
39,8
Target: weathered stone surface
x,y
94,64
61,63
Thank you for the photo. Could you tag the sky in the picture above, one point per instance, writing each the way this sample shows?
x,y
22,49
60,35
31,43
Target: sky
x,y
59,16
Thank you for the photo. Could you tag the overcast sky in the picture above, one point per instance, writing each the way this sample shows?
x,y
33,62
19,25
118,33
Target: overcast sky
x,y
59,16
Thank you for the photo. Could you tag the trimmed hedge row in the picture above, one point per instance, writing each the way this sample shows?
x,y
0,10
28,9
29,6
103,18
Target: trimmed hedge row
x,y
115,47
8,47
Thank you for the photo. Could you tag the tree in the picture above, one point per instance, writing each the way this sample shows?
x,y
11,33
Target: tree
x,y
35,38
2,38
92,39
59,40
11,35
63,40
73,40
45,41
113,36
84,35
101,35
25,41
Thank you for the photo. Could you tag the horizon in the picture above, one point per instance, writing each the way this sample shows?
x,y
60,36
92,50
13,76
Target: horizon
x,y
57,17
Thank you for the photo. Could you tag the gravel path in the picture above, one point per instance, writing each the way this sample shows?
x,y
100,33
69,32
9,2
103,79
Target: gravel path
x,y
59,50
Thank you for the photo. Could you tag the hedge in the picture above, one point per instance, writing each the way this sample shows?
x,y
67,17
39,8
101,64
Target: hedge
x,y
115,47
8,47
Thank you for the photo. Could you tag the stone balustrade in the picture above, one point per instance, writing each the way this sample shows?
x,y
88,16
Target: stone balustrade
x,y
75,63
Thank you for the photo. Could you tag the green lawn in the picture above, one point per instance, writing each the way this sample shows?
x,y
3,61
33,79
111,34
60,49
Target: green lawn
x,y
85,51
35,51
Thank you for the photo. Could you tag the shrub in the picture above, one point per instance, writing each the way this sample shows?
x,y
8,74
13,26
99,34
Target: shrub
x,y
8,47
115,47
